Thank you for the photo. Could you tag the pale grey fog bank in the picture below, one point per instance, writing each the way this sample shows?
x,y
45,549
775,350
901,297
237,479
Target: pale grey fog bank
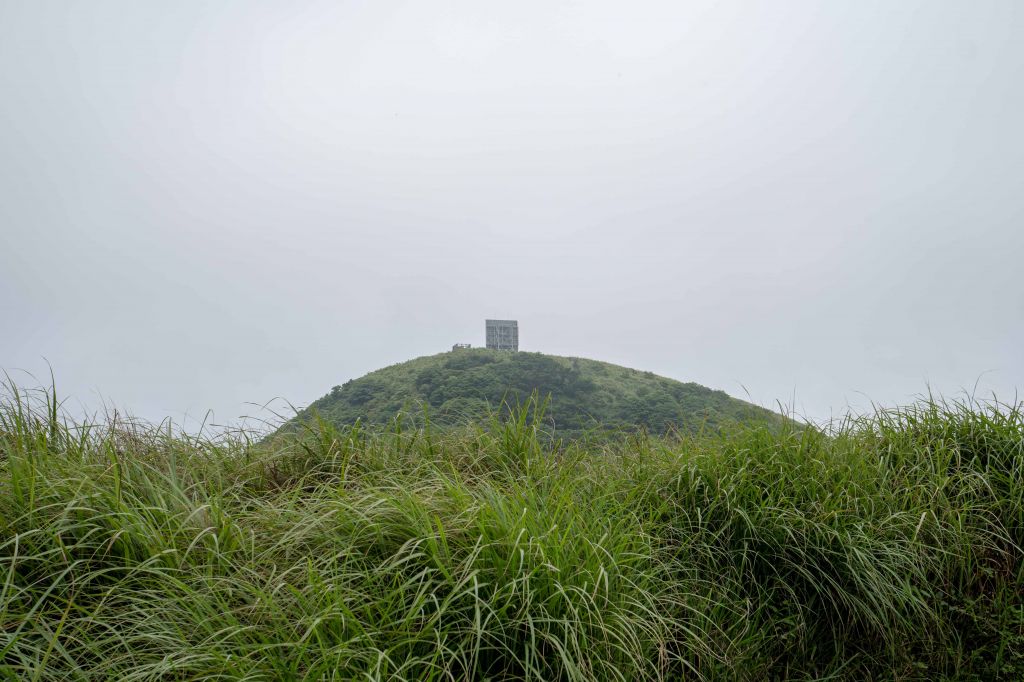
x,y
206,204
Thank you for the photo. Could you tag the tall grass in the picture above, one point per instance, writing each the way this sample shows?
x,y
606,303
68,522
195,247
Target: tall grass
x,y
887,549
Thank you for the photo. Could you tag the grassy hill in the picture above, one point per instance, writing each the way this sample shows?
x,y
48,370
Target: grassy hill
x,y
466,385
890,550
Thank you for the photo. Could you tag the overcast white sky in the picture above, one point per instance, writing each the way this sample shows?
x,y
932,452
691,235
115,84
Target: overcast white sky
x,y
209,204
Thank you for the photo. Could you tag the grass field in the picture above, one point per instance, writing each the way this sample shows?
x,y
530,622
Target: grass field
x,y
887,548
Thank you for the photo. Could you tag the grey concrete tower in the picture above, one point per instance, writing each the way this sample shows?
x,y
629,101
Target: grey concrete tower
x,y
503,334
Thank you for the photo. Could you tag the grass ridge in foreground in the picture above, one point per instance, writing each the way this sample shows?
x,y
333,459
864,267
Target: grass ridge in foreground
x,y
887,549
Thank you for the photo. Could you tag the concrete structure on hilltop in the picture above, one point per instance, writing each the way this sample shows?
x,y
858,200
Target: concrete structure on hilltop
x,y
503,334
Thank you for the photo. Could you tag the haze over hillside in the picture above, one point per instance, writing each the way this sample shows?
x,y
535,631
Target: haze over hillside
x,y
466,384
815,202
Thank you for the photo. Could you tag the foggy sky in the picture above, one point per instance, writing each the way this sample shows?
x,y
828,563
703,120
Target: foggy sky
x,y
204,204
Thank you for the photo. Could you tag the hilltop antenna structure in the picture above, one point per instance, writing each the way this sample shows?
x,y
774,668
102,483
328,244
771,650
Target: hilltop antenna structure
x,y
502,334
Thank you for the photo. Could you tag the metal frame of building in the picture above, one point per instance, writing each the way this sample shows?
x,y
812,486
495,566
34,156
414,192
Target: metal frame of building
x,y
502,334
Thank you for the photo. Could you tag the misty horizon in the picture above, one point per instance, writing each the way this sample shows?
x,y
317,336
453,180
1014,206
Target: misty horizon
x,y
210,207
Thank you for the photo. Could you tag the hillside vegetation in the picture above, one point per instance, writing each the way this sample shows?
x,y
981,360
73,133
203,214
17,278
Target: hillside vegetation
x,y
888,550
465,385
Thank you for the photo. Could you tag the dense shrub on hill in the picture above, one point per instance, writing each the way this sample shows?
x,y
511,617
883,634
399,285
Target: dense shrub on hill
x,y
585,394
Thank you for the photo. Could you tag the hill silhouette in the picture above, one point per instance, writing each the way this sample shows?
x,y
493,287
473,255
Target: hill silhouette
x,y
467,384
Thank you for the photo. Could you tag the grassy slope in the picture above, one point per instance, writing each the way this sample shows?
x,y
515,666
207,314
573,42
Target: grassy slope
x,y
463,386
890,550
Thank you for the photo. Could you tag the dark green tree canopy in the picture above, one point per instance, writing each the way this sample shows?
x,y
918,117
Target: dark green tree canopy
x,y
467,384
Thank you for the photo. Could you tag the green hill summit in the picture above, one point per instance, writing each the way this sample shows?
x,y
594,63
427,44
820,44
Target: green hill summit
x,y
466,384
